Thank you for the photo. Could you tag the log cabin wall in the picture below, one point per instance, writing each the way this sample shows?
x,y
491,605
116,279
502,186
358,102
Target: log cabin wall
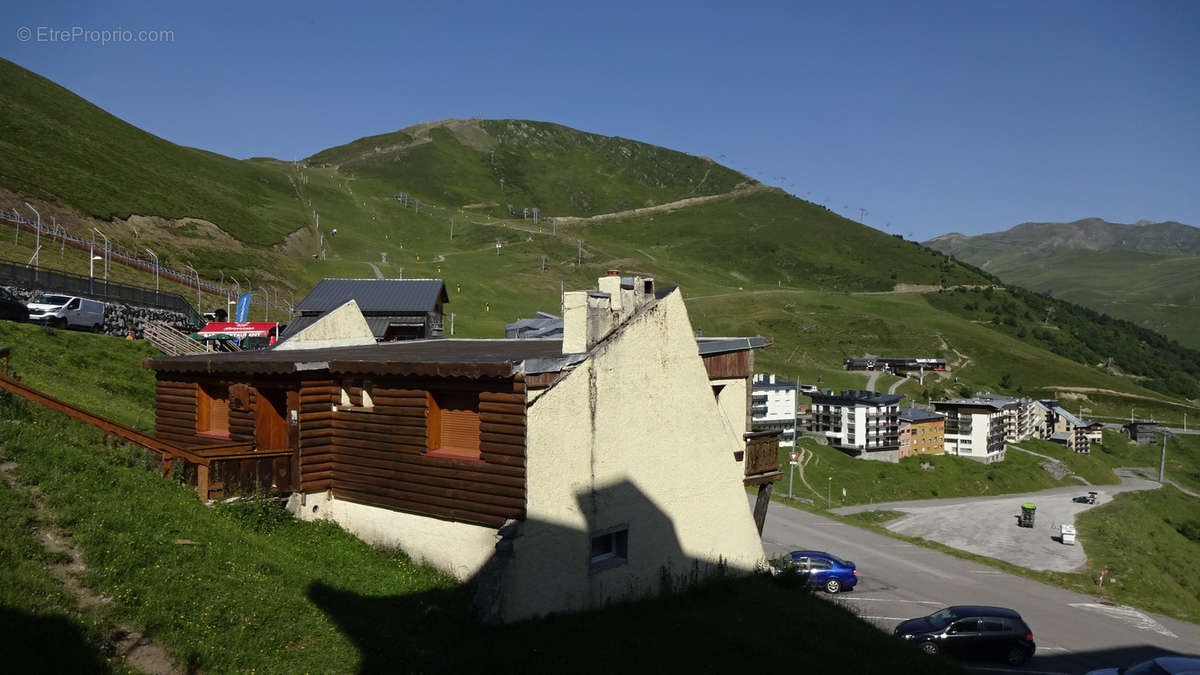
x,y
175,411
378,455
317,398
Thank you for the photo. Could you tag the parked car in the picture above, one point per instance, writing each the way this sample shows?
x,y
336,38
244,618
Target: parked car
x,y
11,308
1163,665
970,631
823,570
63,311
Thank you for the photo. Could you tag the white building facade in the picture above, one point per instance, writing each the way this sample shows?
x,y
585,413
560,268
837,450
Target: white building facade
x,y
773,407
864,424
975,428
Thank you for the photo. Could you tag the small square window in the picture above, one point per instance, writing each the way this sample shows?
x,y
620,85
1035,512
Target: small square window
x,y
610,548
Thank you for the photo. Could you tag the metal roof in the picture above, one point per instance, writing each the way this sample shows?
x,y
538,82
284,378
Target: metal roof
x,y
450,358
918,415
720,345
375,295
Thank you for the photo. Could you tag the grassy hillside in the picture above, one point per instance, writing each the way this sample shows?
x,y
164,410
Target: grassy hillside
x,y
495,164
58,147
1148,274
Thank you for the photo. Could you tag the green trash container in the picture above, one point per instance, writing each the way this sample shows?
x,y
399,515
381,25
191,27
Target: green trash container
x,y
1027,511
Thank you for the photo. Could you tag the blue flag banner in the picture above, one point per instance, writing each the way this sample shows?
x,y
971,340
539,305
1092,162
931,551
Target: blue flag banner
x,y
243,308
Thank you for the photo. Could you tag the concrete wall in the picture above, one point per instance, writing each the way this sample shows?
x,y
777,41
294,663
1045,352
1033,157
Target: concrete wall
x,y
457,548
632,438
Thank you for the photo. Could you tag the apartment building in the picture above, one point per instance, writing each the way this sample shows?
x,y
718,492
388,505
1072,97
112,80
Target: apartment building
x,y
921,432
773,407
975,428
862,424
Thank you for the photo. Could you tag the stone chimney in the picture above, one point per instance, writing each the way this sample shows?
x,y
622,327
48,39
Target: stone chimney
x,y
589,316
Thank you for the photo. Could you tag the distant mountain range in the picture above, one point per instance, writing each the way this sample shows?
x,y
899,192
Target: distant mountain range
x,y
1146,272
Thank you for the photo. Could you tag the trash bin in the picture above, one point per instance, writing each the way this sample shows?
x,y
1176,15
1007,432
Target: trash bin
x,y
1027,510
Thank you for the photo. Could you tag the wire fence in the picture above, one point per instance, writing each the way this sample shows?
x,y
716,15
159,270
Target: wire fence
x,y
111,253
14,273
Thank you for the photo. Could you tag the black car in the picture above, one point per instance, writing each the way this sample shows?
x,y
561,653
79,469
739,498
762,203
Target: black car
x,y
970,631
11,308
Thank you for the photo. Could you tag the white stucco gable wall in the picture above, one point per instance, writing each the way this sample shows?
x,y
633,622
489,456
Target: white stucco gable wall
x,y
632,437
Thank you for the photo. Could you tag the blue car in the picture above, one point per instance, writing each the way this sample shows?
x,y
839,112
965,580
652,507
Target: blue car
x,y
823,570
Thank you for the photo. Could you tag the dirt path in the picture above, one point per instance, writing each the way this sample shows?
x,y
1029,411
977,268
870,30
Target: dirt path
x,y
659,208
139,651
1122,394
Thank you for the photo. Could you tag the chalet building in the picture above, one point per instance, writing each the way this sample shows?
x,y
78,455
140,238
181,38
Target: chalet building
x,y
773,407
558,474
395,309
921,432
975,428
860,423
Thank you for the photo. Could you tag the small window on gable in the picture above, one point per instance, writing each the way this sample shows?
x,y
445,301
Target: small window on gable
x,y
452,424
610,548
212,410
356,395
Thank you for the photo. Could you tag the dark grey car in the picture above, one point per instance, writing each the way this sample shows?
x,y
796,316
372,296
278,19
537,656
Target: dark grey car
x,y
972,632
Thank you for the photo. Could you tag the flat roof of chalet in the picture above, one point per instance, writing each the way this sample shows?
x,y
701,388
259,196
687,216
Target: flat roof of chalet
x,y
453,357
440,357
375,295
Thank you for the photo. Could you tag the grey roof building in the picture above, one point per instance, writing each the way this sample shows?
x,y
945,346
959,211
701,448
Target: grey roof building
x,y
395,309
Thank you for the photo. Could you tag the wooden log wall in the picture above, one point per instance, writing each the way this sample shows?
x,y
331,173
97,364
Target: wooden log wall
x,y
175,412
317,398
378,456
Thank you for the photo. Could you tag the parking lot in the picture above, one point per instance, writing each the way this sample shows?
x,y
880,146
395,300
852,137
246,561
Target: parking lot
x,y
988,525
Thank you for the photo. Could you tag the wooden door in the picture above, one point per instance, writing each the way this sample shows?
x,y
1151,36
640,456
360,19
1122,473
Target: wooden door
x,y
271,428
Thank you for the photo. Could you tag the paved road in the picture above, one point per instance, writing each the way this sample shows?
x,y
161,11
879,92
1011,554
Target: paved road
x,y
1074,632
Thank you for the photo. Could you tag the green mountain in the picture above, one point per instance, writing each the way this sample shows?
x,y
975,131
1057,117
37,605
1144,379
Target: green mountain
x,y
509,212
1147,273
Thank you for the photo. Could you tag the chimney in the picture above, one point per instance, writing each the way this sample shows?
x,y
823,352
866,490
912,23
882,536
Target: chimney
x,y
589,316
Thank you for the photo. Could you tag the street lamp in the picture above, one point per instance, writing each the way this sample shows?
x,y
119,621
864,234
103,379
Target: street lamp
x,y
92,258
37,238
829,494
152,255
105,254
193,269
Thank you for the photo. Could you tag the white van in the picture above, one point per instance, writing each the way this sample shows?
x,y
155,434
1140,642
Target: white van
x,y
62,311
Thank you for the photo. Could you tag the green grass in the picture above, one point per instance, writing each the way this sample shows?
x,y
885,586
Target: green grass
x,y
39,619
868,482
98,373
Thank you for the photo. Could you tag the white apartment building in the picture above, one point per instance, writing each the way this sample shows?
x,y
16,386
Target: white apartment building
x,y
975,428
773,407
864,424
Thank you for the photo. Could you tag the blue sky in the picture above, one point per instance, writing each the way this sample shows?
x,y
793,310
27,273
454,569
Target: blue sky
x,y
934,117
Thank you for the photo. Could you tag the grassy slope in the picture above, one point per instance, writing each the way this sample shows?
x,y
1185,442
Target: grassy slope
x,y
58,146
559,170
254,590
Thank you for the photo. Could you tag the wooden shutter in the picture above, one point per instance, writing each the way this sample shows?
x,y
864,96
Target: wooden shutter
x,y
454,422
212,410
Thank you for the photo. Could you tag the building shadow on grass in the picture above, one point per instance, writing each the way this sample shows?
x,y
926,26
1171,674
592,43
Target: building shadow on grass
x,y
46,644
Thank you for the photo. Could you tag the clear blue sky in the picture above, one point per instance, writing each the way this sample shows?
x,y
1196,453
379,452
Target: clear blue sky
x,y
933,116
